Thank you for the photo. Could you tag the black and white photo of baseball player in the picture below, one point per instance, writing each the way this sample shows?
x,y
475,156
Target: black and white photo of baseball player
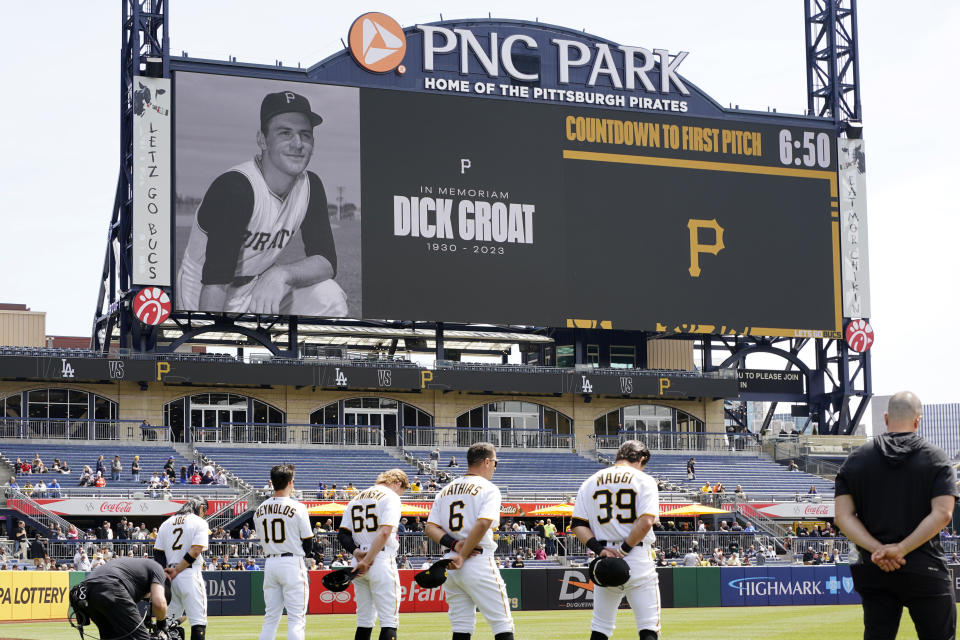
x,y
262,240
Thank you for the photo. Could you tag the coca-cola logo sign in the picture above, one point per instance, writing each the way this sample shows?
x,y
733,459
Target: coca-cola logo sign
x,y
120,506
797,510
817,510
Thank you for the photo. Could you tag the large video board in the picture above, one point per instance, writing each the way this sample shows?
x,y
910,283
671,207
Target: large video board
x,y
430,202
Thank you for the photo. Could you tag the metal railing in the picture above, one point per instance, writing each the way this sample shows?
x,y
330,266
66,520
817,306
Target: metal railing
x,y
67,429
681,441
231,510
273,433
454,437
35,510
175,491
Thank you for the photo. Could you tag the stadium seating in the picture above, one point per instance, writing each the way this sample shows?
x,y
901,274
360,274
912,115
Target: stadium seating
x,y
332,466
525,472
757,476
152,458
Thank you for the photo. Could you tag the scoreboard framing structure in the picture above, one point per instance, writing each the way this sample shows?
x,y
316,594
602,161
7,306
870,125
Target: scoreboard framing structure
x,y
536,179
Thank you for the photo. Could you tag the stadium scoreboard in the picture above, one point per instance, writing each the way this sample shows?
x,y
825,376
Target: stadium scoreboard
x,y
519,173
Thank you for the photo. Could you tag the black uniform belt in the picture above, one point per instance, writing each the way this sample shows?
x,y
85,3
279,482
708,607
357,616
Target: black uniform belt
x,y
281,555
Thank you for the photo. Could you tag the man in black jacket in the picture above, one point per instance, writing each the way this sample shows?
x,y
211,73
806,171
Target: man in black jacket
x,y
110,594
893,497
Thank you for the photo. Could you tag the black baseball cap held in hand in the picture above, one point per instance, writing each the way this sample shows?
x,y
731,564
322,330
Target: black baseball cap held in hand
x,y
433,577
609,572
286,102
338,580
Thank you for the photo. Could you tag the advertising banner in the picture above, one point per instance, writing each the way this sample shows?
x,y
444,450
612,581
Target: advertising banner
x,y
413,598
797,585
103,506
853,229
229,591
511,578
152,150
33,595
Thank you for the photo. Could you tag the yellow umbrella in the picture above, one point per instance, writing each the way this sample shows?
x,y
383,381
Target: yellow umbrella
x,y
562,510
328,509
413,510
692,510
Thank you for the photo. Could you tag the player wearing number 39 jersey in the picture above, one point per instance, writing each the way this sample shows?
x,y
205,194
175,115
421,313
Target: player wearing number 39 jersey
x,y
368,531
181,540
461,520
283,528
614,516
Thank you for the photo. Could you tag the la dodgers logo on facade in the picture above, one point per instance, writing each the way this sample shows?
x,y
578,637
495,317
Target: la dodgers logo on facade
x,y
67,370
340,379
585,385
377,43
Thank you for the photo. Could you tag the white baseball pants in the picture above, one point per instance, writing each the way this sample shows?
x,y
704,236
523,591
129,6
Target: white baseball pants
x,y
285,585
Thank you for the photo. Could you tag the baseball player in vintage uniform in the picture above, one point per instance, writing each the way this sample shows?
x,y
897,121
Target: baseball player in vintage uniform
x,y
461,518
181,541
248,216
283,528
614,516
368,531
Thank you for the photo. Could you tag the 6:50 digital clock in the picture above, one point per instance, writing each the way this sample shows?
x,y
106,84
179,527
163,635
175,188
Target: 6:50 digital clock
x,y
814,150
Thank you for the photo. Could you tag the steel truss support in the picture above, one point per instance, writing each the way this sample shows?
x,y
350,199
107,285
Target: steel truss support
x,y
833,67
837,381
144,34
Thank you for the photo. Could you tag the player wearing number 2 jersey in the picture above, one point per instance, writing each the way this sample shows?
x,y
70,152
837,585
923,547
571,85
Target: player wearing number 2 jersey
x,y
181,540
283,528
461,518
367,531
614,516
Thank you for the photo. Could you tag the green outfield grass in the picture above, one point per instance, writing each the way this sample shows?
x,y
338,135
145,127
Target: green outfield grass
x,y
731,623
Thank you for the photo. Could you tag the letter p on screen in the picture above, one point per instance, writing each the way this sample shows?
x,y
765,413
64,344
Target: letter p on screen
x,y
163,368
696,248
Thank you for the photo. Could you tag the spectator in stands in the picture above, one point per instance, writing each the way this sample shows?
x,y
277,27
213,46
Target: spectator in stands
x,y
453,462
64,467
196,478
691,558
706,488
193,468
749,528
835,556
208,466
402,527
540,553
101,465
28,488
207,478
736,526
55,467
549,534
170,468
812,491
517,562
38,548
38,466
434,458
21,539
404,563
86,477
691,469
153,534
251,565
12,483
145,430
719,488
321,490
339,562
25,468
115,468
808,556
350,491
733,560
702,526
415,486
724,526
41,488
18,466
135,469
72,533
432,486
99,481
793,466
81,561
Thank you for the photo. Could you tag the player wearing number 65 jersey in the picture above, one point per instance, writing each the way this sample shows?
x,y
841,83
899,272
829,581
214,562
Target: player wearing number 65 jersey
x,y
614,516
283,528
367,531
181,540
461,518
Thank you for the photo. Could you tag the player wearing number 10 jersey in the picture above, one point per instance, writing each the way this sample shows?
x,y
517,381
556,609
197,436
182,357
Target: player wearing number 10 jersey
x,y
614,516
461,518
283,528
368,531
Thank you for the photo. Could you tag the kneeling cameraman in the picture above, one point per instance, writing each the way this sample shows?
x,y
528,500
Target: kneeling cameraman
x,y
110,594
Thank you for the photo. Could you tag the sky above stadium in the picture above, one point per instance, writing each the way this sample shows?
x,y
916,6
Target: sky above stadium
x,y
58,171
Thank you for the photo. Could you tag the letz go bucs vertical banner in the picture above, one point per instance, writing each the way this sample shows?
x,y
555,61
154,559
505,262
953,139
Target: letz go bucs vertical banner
x,y
151,181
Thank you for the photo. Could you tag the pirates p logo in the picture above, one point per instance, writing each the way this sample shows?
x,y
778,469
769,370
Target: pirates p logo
x,y
377,43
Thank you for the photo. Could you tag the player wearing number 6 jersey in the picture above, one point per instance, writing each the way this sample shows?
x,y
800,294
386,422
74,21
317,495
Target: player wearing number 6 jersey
x,y
460,520
367,531
283,528
181,540
614,516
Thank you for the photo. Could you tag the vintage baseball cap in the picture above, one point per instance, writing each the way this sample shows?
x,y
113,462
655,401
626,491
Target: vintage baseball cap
x,y
286,102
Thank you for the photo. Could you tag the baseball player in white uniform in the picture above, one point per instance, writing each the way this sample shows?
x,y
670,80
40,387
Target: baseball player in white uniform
x,y
368,531
181,541
283,528
248,216
461,520
614,516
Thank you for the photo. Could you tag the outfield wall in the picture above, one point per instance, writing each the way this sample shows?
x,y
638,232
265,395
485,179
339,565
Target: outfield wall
x,y
42,595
